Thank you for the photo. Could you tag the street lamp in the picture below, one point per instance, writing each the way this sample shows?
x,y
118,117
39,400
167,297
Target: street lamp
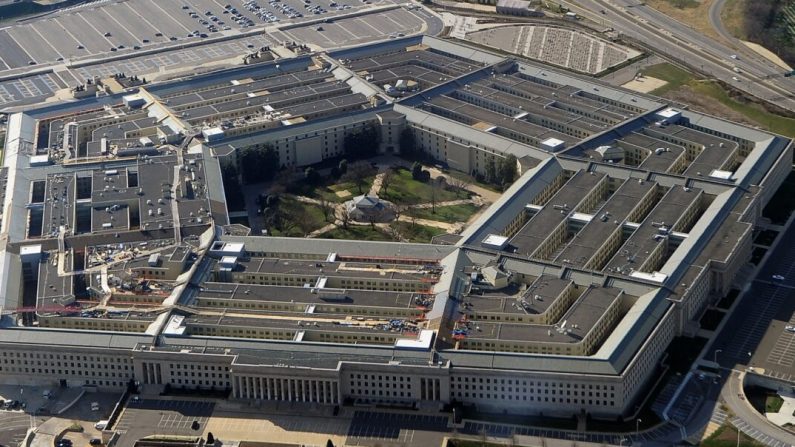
x,y
715,355
637,424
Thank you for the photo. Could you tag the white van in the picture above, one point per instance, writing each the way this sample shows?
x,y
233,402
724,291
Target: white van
x,y
101,425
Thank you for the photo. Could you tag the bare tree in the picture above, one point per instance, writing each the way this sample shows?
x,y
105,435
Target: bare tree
x,y
435,185
411,212
386,180
358,173
459,183
344,215
398,210
280,183
326,208
303,220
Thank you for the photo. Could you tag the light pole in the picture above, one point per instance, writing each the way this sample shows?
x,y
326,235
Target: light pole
x,y
715,355
738,436
637,426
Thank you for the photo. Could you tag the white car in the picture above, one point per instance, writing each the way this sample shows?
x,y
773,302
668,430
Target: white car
x,y
735,79
789,328
733,56
778,278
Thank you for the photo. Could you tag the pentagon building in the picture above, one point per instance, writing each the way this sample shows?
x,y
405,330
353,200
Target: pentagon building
x,y
630,216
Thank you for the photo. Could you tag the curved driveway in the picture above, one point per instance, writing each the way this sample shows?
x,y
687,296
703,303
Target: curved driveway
x,y
743,410
714,19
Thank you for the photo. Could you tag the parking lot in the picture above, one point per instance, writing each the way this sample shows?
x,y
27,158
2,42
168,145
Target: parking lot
x,y
148,417
14,425
148,38
126,27
355,30
756,434
756,335
402,429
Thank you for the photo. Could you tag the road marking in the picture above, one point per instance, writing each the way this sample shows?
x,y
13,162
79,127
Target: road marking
x,y
95,29
46,41
8,33
151,25
105,10
169,15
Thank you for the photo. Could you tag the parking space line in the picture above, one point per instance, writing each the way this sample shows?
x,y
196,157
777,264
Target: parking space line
x,y
107,13
95,29
20,46
168,15
46,41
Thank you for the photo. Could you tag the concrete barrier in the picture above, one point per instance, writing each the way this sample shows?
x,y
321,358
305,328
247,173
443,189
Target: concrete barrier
x,y
72,403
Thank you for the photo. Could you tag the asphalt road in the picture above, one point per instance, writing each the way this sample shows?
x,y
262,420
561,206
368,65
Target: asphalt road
x,y
680,42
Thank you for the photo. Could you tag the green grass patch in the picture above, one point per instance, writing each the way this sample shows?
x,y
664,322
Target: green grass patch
x,y
417,232
677,77
295,218
673,75
328,190
404,190
450,213
472,180
684,4
754,112
726,436
357,232
773,403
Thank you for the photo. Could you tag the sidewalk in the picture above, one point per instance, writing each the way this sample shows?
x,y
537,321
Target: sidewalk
x,y
785,413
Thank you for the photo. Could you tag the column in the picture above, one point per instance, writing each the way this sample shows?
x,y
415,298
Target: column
x,y
234,387
146,376
283,383
323,385
303,390
261,388
269,384
158,374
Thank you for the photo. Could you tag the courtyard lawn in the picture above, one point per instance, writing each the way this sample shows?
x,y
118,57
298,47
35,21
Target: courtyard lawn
x,y
329,189
450,213
296,218
416,232
357,232
404,190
